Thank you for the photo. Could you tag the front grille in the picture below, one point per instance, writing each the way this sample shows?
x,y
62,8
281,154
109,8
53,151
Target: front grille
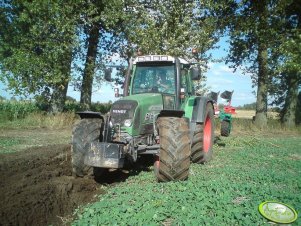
x,y
122,110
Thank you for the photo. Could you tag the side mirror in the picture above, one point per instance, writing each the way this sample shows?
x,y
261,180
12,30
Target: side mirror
x,y
116,92
108,72
195,73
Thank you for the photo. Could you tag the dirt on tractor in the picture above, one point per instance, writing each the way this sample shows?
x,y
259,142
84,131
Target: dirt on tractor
x,y
37,187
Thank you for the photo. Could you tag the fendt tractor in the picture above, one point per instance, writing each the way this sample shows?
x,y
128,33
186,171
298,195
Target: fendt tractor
x,y
159,114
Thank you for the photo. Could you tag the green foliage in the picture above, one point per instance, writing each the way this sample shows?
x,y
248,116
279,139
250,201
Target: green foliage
x,y
97,107
226,191
273,63
174,27
35,44
12,110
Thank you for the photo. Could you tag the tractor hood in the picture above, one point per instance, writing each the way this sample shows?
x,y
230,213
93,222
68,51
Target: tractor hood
x,y
136,113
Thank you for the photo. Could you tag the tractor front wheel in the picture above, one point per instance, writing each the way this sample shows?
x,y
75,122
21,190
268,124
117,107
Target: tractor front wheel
x,y
84,132
202,142
173,161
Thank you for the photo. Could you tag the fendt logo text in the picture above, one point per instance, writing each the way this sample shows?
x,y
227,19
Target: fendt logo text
x,y
119,111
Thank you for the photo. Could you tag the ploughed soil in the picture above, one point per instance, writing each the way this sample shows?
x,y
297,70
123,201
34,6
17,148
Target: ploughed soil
x,y
37,187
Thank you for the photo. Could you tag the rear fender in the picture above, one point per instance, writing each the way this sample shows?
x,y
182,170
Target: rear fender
x,y
198,112
171,113
89,114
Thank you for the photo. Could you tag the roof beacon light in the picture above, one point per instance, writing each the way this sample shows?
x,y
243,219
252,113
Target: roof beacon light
x,y
116,92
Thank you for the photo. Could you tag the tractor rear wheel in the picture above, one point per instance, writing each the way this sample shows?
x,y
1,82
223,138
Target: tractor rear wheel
x,y
173,161
202,141
84,132
225,128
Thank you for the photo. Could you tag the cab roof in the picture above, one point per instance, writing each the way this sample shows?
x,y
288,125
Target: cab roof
x,y
158,58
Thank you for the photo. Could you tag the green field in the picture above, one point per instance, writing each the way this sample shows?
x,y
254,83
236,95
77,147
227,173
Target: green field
x,y
249,167
245,171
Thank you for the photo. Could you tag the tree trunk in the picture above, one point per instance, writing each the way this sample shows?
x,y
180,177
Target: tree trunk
x,y
261,8
87,83
59,93
262,89
291,100
298,110
58,97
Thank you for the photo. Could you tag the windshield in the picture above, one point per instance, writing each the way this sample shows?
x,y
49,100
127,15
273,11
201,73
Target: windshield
x,y
154,79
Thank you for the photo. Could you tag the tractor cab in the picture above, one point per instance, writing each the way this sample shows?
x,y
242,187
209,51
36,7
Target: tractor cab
x,y
168,76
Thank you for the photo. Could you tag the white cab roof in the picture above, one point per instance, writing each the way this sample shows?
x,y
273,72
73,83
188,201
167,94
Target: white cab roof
x,y
158,58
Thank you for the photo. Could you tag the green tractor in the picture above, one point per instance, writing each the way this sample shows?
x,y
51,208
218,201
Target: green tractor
x,y
159,114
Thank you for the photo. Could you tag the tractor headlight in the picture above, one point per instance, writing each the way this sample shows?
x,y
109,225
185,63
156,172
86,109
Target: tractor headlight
x,y
128,122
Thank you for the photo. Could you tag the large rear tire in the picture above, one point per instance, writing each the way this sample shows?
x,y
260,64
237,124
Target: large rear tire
x,y
202,142
174,158
84,132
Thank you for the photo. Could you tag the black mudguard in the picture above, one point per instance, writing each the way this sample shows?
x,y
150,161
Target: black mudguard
x,y
89,114
199,109
171,113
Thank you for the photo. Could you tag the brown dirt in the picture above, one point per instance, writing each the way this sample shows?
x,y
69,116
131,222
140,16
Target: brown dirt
x,y
37,187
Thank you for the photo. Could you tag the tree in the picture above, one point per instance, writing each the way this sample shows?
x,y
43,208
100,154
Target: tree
x,y
98,23
287,60
87,80
36,47
174,27
252,34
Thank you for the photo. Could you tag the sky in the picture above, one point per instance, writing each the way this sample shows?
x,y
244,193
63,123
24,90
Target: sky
x,y
219,78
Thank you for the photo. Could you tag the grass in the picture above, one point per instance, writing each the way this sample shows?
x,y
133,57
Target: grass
x,y
40,120
16,140
244,126
246,170
249,167
36,129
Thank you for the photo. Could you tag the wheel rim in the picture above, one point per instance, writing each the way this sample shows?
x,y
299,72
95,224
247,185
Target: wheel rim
x,y
157,163
207,134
